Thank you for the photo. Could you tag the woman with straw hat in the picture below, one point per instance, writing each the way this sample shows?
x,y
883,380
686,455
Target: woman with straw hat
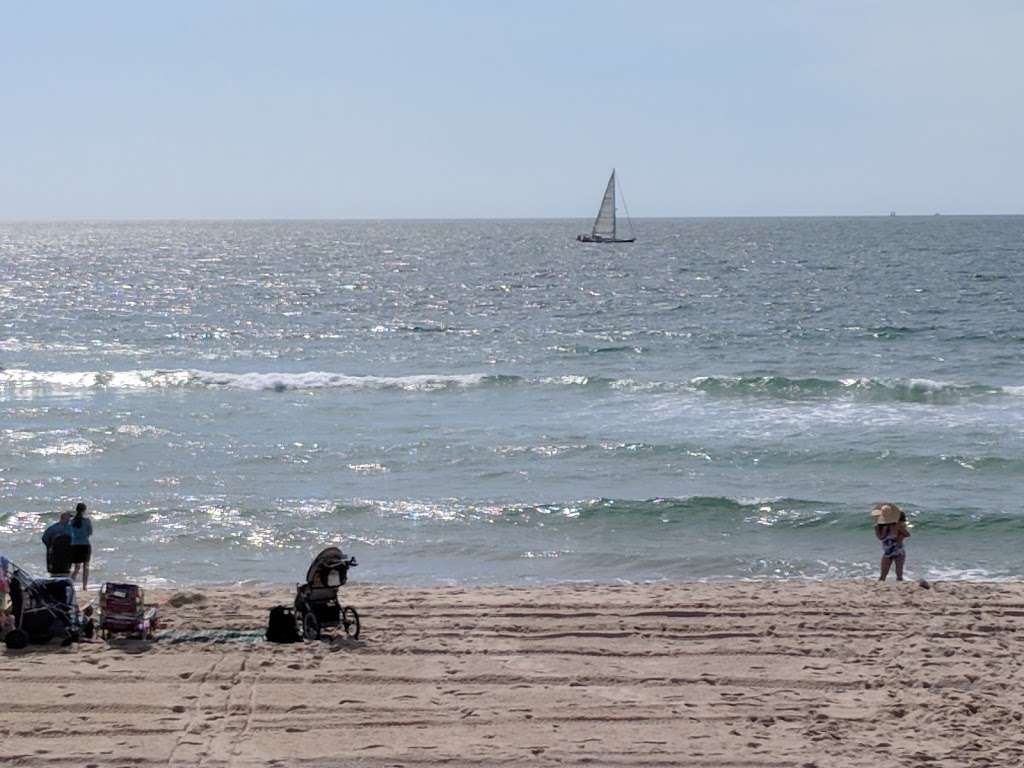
x,y
891,530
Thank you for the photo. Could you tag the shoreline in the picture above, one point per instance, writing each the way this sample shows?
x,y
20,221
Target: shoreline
x,y
724,581
778,673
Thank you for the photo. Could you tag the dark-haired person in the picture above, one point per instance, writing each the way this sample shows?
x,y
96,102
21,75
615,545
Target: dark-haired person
x,y
57,539
80,529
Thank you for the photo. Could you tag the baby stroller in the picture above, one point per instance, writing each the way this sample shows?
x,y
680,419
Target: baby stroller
x,y
44,609
316,601
123,611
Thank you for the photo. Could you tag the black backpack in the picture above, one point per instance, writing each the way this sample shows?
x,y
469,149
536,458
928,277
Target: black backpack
x,y
281,627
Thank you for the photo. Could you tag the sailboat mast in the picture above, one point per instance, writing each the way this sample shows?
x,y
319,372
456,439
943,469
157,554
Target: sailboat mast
x,y
611,184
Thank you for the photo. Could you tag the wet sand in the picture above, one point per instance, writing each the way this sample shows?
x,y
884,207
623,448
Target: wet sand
x,y
741,674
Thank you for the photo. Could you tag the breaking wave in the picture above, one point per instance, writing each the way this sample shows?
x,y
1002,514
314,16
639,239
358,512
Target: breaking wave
x,y
277,382
880,389
699,512
733,514
864,389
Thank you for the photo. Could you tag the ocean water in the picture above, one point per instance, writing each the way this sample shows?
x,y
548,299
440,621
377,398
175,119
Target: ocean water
x,y
493,402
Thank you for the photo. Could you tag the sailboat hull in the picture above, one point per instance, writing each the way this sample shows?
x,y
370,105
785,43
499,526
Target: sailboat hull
x,y
599,239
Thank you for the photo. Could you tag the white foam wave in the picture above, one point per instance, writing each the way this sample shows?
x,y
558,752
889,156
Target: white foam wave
x,y
69,448
572,380
320,380
371,468
952,573
139,430
898,389
632,385
23,379
20,378
927,385
15,435
11,344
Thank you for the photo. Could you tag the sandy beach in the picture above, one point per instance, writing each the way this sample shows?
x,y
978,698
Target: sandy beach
x,y
740,674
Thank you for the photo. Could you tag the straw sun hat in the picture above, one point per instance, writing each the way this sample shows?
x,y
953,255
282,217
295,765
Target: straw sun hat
x,y
886,514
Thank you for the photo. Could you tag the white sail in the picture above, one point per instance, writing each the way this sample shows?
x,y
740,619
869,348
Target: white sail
x,y
604,224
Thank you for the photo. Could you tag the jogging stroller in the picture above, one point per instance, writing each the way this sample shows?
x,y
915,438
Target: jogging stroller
x,y
316,602
123,611
44,609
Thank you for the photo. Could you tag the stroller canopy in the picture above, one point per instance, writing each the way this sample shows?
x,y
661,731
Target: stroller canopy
x,y
328,560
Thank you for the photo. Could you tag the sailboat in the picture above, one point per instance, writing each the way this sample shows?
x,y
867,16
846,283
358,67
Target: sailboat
x,y
605,226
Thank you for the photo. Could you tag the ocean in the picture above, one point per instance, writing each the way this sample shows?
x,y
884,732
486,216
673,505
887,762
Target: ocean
x,y
491,402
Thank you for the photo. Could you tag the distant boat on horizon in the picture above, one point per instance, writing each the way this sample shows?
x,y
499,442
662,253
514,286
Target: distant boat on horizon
x,y
605,229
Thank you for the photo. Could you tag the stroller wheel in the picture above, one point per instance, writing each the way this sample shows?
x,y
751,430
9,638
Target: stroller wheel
x,y
310,627
350,621
16,639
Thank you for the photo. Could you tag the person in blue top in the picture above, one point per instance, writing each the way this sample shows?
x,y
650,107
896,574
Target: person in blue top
x,y
57,540
81,549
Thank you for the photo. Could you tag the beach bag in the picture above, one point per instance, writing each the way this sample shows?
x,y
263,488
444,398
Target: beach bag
x,y
281,626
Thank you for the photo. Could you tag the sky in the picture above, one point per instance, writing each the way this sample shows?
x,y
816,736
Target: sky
x,y
480,109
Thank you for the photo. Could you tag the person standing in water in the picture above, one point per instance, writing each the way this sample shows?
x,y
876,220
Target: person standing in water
x,y
57,540
891,530
81,549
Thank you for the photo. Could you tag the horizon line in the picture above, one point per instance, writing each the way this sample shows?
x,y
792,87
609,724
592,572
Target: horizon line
x,y
139,219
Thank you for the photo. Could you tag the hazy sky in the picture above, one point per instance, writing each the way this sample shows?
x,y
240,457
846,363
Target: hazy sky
x,y
502,109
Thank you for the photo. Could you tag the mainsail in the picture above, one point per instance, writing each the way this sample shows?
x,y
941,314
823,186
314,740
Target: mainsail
x,y
604,224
